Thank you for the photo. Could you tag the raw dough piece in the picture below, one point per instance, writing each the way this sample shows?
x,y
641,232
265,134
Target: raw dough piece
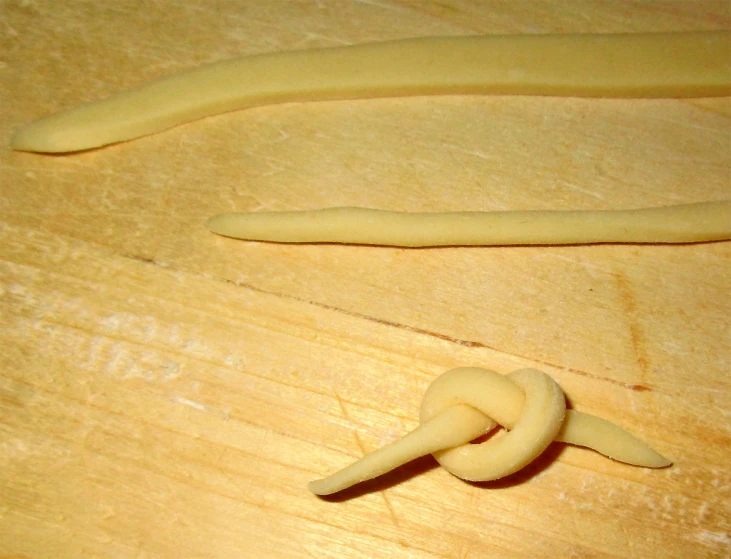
x,y
707,221
465,403
694,64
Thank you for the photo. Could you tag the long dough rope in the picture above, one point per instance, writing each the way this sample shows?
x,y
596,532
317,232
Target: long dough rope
x,y
465,403
707,221
694,64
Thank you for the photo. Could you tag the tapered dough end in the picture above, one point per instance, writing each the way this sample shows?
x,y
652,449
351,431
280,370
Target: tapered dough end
x,y
29,139
659,461
319,487
326,225
594,432
93,125
637,453
647,458
331,485
229,225
323,487
218,225
52,135
454,426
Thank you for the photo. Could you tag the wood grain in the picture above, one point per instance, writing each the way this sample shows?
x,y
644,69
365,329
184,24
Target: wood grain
x,y
165,392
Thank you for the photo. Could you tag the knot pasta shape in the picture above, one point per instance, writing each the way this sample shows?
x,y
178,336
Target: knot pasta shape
x,y
465,403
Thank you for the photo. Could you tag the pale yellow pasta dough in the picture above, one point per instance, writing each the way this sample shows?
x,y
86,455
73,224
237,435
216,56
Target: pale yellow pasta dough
x,y
691,64
465,403
687,223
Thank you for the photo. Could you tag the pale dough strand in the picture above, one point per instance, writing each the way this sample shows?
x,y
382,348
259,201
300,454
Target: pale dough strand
x,y
465,403
686,223
686,64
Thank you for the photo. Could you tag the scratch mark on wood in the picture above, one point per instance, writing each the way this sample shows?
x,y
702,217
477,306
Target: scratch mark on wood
x,y
583,190
391,510
637,338
342,406
305,549
196,405
376,4
363,452
416,330
359,442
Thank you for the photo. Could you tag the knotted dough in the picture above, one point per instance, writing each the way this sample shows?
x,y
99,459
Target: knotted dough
x,y
466,403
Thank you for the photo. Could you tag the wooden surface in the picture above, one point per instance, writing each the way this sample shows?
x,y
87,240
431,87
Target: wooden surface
x,y
168,393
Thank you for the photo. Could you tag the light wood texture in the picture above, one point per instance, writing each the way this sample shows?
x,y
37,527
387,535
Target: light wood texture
x,y
165,392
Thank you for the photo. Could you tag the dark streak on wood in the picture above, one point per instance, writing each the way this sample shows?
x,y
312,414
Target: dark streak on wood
x,y
637,338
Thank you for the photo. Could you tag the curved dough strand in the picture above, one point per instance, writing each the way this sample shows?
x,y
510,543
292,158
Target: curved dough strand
x,y
535,427
686,223
688,64
463,403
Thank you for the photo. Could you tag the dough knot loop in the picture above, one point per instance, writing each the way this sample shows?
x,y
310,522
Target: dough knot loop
x,y
466,403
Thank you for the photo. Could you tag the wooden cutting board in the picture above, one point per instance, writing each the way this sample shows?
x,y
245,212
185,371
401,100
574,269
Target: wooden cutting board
x,y
168,393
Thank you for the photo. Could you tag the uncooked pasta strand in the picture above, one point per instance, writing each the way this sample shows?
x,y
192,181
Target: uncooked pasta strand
x,y
687,223
688,64
460,405
456,426
594,432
